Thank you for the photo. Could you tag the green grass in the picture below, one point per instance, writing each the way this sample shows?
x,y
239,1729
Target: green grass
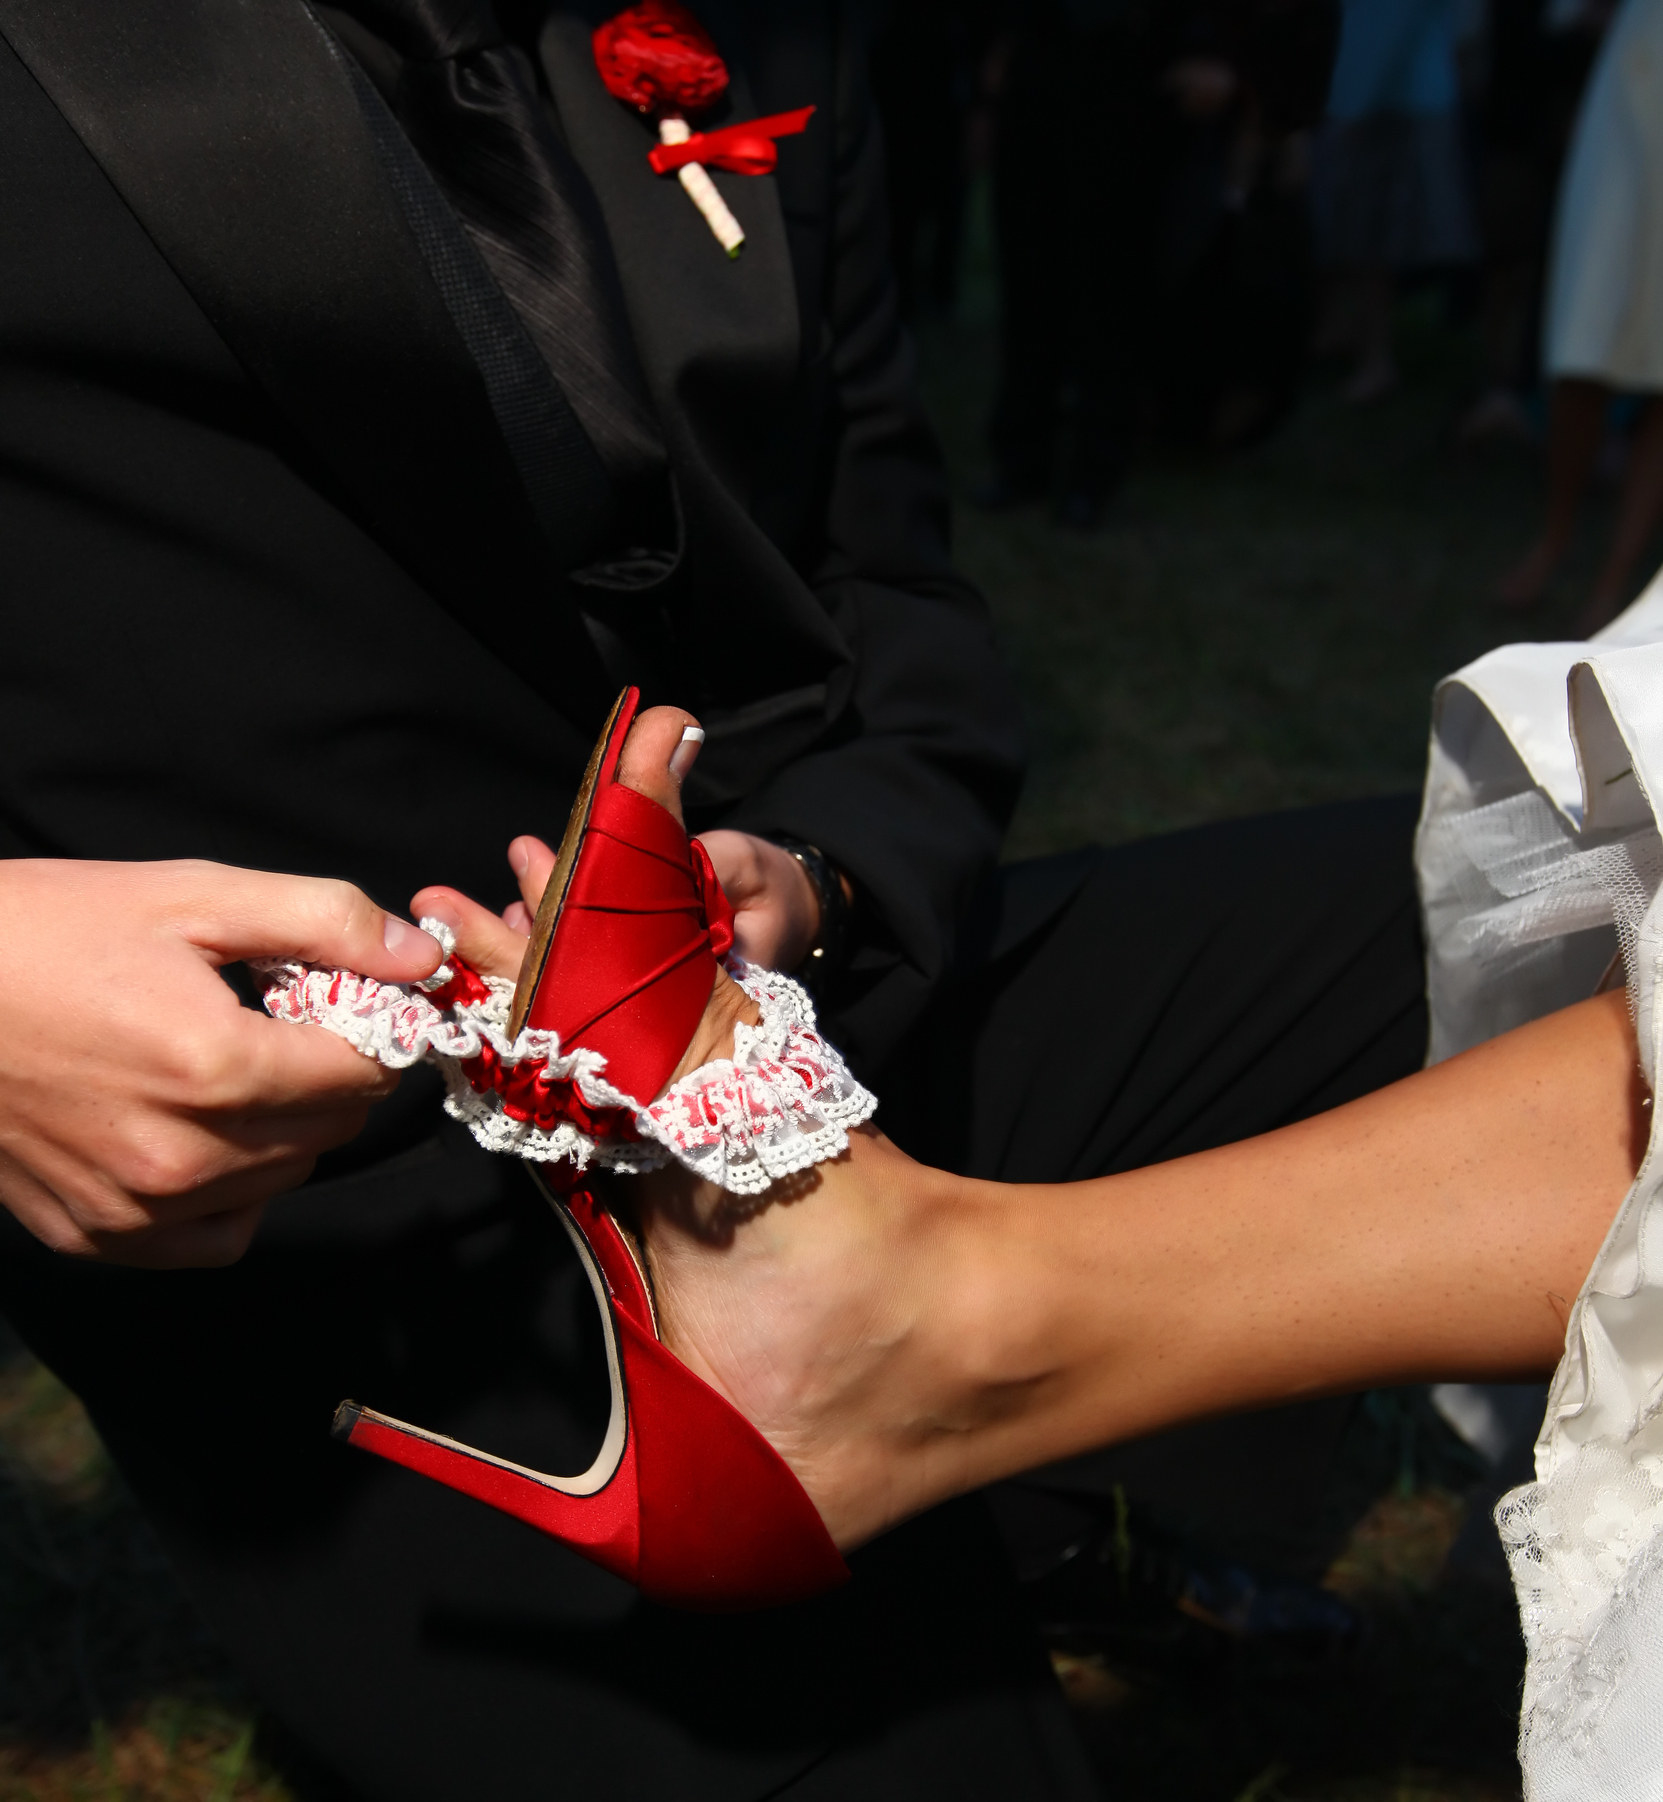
x,y
110,1690
1257,633
1424,1707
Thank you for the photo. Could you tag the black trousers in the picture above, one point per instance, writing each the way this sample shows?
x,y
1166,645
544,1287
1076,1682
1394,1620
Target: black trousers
x,y
1194,990
1122,1007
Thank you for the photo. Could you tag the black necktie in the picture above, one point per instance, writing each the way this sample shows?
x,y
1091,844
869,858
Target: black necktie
x,y
469,103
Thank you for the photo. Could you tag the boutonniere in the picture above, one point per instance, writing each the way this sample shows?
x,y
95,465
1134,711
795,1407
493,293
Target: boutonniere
x,y
657,58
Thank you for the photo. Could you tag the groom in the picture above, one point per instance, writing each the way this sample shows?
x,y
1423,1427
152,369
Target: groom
x,y
373,413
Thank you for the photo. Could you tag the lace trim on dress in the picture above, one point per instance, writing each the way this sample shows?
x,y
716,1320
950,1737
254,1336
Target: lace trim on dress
x,y
783,1102
1540,856
1581,1549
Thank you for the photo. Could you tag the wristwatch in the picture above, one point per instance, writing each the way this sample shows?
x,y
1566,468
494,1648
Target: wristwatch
x,y
830,946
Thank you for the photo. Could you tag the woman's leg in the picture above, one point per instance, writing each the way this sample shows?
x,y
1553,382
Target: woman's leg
x,y
903,1335
1576,428
1124,1007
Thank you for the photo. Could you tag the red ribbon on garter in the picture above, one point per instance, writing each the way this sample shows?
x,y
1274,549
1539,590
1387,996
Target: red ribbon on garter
x,y
747,149
529,1094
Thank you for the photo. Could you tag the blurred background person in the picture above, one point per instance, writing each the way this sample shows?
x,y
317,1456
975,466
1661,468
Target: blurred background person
x,y
1077,177
1152,237
1532,65
1247,80
1604,326
1391,187
924,71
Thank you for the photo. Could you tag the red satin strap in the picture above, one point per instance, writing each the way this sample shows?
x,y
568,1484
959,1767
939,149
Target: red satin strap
x,y
633,958
747,149
718,909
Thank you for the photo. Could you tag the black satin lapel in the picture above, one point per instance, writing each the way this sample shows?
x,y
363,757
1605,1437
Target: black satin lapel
x,y
705,325
230,130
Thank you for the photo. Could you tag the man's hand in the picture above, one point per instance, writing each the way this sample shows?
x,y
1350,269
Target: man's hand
x,y
776,911
146,1117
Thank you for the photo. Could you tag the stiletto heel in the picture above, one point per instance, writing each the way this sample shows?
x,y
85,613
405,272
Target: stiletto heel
x,y
685,1498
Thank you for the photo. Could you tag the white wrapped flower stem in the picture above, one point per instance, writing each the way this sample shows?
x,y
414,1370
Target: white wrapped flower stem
x,y
695,178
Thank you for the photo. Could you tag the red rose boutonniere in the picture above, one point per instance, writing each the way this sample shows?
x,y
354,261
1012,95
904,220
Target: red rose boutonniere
x,y
657,58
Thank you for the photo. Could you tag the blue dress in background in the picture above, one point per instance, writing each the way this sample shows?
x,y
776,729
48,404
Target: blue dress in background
x,y
1391,187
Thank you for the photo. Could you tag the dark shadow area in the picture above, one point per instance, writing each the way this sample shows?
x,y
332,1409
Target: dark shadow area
x,y
1233,1666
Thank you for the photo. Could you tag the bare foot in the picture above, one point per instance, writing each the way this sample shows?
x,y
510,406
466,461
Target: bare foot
x,y
806,1308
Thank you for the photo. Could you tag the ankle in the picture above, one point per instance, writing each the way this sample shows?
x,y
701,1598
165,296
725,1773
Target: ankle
x,y
948,1364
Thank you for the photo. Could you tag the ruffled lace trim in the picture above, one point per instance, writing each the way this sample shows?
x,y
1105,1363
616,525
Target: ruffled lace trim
x,y
784,1102
1586,1550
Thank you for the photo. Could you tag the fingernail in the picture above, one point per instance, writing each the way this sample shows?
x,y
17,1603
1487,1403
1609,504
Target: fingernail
x,y
686,754
519,857
406,941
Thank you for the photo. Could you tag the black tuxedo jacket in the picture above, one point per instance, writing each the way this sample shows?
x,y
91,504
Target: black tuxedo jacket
x,y
273,592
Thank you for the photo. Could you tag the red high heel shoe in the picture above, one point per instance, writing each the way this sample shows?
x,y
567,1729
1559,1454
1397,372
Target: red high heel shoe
x,y
685,1498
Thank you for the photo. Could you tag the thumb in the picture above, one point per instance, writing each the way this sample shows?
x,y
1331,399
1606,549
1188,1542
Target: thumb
x,y
483,939
230,914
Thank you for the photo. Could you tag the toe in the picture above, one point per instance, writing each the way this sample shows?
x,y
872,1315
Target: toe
x,y
658,753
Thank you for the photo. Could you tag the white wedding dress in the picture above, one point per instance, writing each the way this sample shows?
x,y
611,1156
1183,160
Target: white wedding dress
x,y
1540,861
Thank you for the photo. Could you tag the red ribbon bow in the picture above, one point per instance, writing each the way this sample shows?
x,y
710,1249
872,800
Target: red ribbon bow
x,y
718,909
747,149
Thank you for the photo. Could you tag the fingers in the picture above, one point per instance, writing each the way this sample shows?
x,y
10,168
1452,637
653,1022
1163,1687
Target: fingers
x,y
276,1067
81,1211
483,938
187,1168
235,1168
34,1204
207,1244
532,863
662,747
776,910
253,913
153,1122
736,857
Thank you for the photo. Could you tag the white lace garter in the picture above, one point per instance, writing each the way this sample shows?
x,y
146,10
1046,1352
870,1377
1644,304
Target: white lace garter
x,y
784,1101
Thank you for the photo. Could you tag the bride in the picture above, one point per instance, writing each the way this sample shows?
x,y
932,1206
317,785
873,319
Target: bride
x,y
897,1335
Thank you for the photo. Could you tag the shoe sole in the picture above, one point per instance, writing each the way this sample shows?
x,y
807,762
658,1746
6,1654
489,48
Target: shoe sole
x,y
553,902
